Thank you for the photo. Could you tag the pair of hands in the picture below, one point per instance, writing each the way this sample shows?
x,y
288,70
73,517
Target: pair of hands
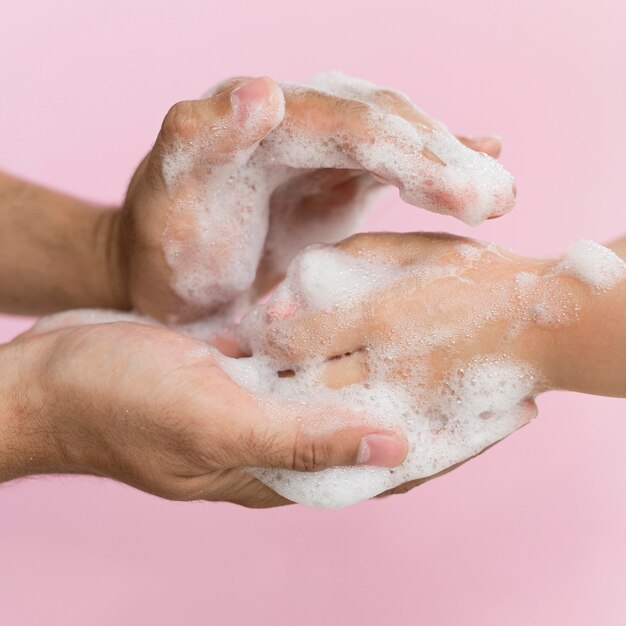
x,y
154,408
182,229
151,407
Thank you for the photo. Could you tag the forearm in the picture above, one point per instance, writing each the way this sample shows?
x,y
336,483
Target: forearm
x,y
591,352
26,443
56,252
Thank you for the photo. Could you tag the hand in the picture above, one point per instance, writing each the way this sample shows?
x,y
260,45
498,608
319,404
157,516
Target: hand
x,y
238,182
444,319
153,409
446,300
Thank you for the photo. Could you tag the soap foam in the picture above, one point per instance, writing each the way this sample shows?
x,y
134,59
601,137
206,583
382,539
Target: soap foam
x,y
593,264
84,317
464,415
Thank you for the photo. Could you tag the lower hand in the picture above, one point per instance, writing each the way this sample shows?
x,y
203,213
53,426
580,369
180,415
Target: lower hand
x,y
153,409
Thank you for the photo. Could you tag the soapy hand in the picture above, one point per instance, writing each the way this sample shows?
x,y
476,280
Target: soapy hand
x,y
153,408
238,182
433,299
451,337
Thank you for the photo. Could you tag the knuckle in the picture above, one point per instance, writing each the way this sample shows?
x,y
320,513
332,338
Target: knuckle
x,y
180,121
309,454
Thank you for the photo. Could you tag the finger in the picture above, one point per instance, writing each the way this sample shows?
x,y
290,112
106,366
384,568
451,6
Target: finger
x,y
225,340
490,145
199,133
291,436
389,100
429,166
216,224
226,85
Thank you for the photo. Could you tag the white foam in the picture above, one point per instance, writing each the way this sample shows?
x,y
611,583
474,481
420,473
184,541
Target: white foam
x,y
462,416
326,277
594,264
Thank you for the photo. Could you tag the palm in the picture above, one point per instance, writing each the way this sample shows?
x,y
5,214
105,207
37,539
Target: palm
x,y
170,446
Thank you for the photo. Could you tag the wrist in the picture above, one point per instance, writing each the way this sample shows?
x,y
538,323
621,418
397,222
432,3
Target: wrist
x,y
28,442
585,350
111,258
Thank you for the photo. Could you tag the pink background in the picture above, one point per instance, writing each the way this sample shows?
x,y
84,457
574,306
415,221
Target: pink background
x,y
534,531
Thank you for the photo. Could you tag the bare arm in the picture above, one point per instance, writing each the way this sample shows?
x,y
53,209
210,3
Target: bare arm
x,y
56,252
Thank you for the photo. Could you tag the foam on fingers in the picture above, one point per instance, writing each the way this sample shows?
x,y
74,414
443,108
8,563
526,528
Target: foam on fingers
x,y
228,211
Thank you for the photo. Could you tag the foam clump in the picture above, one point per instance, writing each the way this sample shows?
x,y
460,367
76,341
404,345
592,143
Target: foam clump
x,y
244,210
326,279
593,264
463,416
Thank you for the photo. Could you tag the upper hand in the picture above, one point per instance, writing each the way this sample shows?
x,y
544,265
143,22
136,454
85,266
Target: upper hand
x,y
227,196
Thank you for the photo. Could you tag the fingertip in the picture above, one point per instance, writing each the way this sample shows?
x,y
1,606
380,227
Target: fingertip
x,y
258,101
381,450
491,145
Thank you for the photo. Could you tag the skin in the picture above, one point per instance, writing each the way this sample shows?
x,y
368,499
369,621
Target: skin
x,y
73,399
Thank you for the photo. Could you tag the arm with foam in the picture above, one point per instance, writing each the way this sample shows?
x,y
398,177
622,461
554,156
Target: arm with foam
x,y
589,356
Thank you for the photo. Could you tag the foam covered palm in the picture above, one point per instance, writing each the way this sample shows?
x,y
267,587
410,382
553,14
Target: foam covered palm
x,y
238,182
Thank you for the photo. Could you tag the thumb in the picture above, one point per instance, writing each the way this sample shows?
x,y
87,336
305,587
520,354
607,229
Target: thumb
x,y
215,129
334,439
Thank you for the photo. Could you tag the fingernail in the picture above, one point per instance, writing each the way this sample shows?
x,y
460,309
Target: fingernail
x,y
246,98
381,451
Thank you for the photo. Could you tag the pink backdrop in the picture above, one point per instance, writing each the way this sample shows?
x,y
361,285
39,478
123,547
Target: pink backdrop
x,y
533,532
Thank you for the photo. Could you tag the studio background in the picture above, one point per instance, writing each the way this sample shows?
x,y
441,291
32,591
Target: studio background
x,y
533,531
